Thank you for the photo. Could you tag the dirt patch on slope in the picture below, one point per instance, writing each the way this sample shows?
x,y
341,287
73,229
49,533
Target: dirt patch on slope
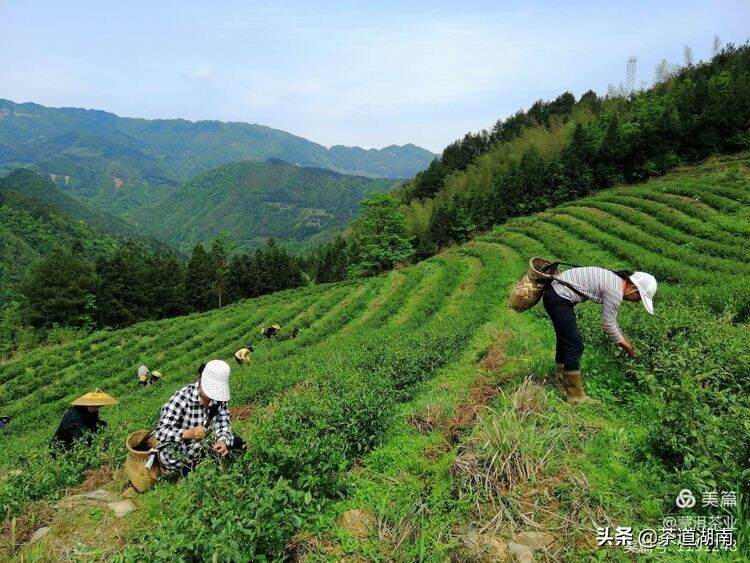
x,y
495,357
17,531
427,420
96,478
482,394
243,412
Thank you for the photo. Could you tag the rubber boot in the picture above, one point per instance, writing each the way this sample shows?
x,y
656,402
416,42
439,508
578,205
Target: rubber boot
x,y
559,369
573,383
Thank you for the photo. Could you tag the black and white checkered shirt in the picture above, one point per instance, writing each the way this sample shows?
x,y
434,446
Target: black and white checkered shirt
x,y
183,411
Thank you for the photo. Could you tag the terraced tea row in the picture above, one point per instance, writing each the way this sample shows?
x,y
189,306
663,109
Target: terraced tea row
x,y
322,315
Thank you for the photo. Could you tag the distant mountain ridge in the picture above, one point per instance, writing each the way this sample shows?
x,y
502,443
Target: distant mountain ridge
x,y
174,150
256,200
32,186
157,177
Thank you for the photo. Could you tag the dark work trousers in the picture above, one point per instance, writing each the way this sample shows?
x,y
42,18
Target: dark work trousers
x,y
562,313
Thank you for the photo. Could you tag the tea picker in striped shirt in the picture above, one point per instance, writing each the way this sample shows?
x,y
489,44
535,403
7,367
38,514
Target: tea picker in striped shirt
x,y
601,286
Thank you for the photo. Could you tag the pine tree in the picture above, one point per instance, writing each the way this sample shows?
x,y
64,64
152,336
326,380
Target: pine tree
x,y
577,159
220,251
379,236
610,154
200,280
59,290
687,55
135,283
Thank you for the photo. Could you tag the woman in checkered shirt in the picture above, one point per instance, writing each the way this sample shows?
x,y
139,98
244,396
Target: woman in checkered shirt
x,y
193,412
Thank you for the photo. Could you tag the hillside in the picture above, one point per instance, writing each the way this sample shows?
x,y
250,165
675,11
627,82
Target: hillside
x,y
414,417
559,150
253,201
31,228
29,183
121,164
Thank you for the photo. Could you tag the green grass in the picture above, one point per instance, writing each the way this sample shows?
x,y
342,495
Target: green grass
x,y
338,409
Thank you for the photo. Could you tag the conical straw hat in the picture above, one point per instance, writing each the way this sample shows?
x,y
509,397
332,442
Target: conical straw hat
x,y
96,398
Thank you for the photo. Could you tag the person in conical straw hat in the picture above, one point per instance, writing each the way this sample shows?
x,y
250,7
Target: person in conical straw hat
x,y
602,286
148,377
82,421
190,415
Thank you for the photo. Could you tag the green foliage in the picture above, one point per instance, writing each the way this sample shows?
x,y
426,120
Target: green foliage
x,y
43,198
14,335
200,280
59,290
135,283
329,397
450,222
253,201
32,228
50,477
379,236
562,150
698,366
270,268
329,262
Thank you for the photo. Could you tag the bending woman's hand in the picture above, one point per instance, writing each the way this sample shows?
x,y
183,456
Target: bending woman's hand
x,y
195,433
628,347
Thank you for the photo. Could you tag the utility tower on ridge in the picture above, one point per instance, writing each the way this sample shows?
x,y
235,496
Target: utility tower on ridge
x,y
630,76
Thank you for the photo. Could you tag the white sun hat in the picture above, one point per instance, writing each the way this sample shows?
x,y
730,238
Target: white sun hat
x,y
215,380
646,284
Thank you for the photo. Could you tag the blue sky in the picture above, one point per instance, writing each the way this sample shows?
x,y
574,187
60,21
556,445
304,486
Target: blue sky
x,y
354,73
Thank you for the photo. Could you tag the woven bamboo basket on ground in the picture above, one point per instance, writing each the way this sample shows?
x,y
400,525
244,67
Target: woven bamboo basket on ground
x,y
140,446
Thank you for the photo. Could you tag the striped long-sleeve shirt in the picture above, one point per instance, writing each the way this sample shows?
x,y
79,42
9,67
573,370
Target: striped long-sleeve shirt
x,y
599,285
182,412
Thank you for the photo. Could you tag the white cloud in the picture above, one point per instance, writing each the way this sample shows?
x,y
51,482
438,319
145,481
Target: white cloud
x,y
201,72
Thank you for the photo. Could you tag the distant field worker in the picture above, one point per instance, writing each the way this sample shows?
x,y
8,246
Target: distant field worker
x,y
243,354
4,420
82,421
188,417
148,377
601,286
271,331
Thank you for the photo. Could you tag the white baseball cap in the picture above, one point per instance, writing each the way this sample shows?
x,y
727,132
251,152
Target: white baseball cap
x,y
215,380
646,284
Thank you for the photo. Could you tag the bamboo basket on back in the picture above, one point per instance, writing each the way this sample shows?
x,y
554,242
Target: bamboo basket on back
x,y
530,288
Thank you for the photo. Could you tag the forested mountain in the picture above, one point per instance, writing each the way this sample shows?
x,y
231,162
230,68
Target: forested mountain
x,y
567,148
31,228
252,201
30,184
121,163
